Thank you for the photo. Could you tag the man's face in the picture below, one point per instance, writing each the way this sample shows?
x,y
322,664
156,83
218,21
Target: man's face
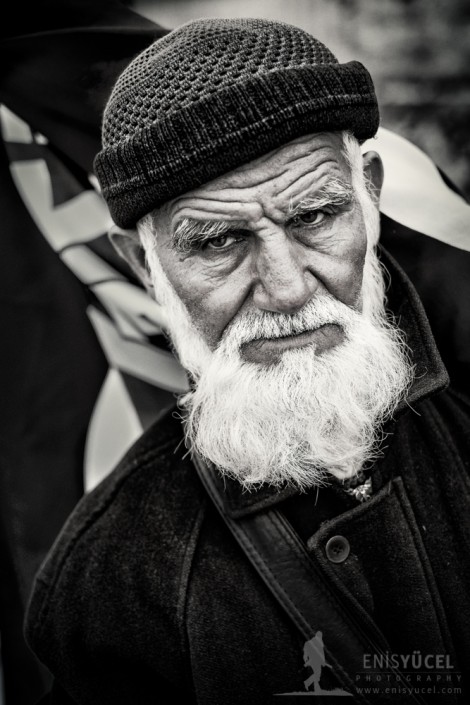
x,y
275,303
268,236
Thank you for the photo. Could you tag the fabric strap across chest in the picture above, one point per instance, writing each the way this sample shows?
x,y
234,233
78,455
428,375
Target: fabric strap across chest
x,y
300,587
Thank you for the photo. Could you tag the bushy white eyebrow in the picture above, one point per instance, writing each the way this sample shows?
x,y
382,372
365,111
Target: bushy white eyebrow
x,y
335,193
191,233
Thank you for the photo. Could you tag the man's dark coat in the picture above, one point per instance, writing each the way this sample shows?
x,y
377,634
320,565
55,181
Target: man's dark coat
x,y
147,598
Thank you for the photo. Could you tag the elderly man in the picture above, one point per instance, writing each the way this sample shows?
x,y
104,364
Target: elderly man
x,y
314,479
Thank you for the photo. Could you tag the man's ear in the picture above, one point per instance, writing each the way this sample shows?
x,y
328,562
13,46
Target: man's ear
x,y
127,244
374,174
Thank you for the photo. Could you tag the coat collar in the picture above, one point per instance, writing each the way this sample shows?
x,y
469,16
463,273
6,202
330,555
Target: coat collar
x,y
430,377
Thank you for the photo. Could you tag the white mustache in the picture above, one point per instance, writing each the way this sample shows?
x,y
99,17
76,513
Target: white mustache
x,y
255,325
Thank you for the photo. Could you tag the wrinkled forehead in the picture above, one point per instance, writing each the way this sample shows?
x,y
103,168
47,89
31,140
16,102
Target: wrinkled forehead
x,y
276,181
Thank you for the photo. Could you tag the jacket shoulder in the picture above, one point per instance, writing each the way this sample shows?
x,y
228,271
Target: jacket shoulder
x,y
128,545
451,420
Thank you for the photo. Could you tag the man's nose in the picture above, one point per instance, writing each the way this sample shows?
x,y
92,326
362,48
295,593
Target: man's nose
x,y
284,281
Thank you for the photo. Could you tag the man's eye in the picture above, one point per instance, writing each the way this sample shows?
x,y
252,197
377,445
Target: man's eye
x,y
220,242
309,218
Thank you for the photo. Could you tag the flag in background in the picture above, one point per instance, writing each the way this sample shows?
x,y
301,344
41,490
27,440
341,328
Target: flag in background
x,y
85,365
58,61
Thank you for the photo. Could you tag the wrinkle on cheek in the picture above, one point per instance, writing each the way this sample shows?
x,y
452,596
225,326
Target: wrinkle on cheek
x,y
352,293
343,270
211,297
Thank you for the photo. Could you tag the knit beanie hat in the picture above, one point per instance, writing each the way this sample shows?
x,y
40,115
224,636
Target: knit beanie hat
x,y
215,94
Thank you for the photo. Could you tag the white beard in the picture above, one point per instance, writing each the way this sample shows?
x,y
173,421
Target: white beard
x,y
307,415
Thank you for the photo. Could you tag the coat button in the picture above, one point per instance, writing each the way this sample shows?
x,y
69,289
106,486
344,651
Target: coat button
x,y
337,549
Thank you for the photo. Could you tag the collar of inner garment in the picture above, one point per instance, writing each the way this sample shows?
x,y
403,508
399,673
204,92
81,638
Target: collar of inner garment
x,y
359,486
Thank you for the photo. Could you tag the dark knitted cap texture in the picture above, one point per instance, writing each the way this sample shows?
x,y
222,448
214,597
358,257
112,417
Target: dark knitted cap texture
x,y
213,95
